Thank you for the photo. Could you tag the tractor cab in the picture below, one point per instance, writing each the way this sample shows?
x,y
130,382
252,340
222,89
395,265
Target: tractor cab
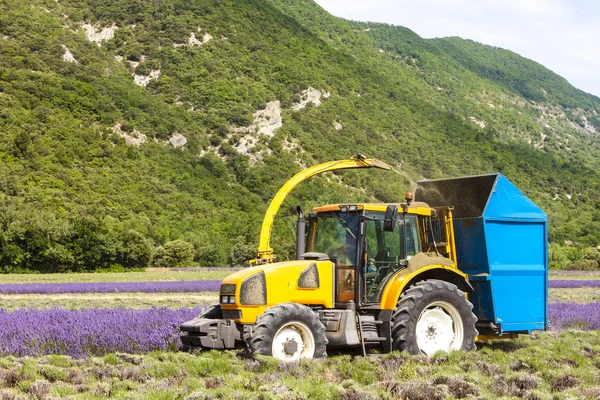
x,y
366,251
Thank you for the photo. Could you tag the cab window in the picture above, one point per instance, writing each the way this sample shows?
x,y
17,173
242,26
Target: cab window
x,y
384,251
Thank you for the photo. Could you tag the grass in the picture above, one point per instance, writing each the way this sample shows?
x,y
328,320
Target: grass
x,y
549,365
76,301
578,295
573,275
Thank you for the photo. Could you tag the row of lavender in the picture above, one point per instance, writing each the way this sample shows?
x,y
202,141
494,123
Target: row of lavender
x,y
573,284
94,331
111,287
174,286
82,333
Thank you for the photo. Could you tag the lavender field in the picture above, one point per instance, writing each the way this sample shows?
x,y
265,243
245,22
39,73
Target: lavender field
x,y
111,287
121,340
83,333
32,332
574,316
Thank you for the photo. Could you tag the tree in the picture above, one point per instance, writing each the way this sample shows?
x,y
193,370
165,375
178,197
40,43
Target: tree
x,y
176,253
241,254
135,251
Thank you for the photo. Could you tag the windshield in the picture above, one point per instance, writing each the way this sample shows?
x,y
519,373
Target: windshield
x,y
335,234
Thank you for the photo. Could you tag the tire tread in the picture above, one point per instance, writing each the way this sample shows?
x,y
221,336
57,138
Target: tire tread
x,y
403,317
269,322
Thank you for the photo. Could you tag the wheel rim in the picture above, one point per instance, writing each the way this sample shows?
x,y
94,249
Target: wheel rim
x,y
439,327
293,341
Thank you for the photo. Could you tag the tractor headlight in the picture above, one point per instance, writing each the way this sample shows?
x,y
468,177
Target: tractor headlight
x,y
227,293
254,290
227,299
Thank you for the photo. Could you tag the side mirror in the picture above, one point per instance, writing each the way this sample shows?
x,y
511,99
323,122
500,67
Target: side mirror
x,y
391,215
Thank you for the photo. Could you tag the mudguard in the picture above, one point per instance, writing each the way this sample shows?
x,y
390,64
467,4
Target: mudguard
x,y
421,267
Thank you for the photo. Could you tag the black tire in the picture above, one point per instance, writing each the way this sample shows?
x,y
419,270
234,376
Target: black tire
x,y
283,316
420,297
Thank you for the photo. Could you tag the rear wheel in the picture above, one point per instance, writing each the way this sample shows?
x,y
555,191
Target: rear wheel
x,y
433,316
289,332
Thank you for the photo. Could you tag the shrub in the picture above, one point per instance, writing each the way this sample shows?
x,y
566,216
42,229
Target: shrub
x,y
176,253
135,251
594,255
241,254
584,265
557,256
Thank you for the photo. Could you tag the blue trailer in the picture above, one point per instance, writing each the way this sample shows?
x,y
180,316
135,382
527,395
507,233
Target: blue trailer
x,y
501,241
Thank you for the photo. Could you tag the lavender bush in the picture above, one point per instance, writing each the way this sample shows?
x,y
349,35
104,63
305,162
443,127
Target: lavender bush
x,y
82,333
571,284
574,315
110,287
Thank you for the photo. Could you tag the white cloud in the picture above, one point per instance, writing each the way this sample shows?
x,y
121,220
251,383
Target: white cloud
x,y
559,34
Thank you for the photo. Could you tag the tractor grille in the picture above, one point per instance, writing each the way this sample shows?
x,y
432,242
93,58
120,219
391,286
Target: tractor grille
x,y
232,314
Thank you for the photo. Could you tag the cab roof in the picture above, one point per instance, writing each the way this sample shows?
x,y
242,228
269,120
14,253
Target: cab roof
x,y
416,207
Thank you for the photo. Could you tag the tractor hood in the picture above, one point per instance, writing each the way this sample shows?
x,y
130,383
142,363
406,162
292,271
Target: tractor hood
x,y
254,289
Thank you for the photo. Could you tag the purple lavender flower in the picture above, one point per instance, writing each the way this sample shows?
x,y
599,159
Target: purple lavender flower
x,y
110,287
574,315
573,283
82,333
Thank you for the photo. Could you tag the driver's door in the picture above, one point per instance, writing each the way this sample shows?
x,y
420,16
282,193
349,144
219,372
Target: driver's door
x,y
383,253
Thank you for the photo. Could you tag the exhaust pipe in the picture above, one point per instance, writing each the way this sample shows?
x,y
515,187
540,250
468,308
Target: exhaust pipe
x,y
300,232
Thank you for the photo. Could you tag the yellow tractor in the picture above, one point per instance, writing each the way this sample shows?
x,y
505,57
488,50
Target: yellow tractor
x,y
386,276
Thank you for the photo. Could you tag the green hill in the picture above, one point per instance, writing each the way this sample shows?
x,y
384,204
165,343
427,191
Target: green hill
x,y
127,127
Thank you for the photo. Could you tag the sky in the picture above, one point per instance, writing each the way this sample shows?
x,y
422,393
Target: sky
x,y
562,35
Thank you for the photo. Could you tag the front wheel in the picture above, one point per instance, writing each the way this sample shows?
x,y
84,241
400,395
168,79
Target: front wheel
x,y
433,316
289,332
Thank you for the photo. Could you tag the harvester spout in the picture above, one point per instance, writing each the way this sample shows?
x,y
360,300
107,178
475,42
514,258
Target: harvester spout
x,y
265,252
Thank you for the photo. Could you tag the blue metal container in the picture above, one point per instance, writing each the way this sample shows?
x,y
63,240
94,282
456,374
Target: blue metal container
x,y
502,244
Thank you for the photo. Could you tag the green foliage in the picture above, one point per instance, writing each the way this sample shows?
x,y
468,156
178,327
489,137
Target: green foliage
x,y
557,256
584,265
76,197
136,250
241,254
176,253
593,255
573,258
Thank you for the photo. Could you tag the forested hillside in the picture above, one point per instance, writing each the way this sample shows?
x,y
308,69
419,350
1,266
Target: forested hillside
x,y
136,133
